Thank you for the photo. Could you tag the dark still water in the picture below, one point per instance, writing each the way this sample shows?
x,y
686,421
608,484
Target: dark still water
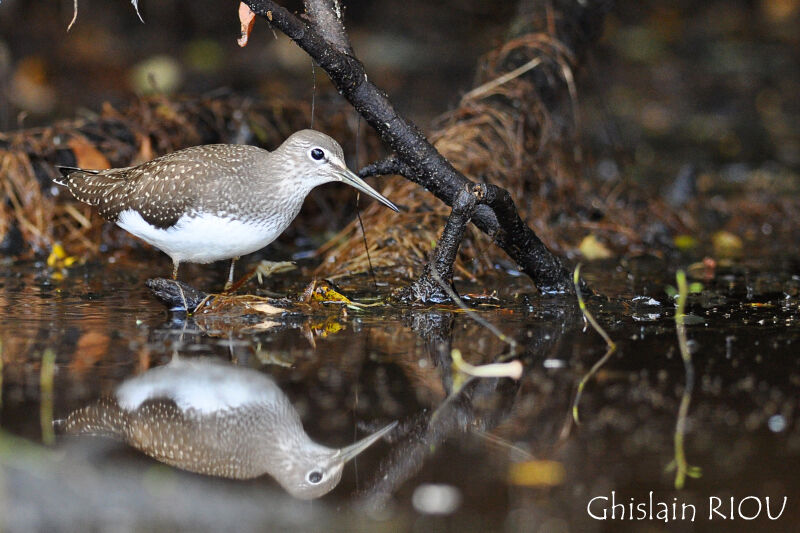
x,y
117,415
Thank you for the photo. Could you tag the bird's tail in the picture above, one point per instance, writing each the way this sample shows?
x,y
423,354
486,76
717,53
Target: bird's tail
x,y
102,418
66,172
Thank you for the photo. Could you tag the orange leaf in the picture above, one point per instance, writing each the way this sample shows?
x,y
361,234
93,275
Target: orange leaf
x,y
86,155
92,347
247,19
146,152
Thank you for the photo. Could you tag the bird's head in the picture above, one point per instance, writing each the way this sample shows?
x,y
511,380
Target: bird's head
x,y
315,470
316,159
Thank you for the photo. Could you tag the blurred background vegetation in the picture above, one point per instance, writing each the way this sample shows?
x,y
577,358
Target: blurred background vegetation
x,y
697,100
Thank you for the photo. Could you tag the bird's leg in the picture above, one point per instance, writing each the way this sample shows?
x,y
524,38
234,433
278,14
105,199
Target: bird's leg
x,y
175,265
229,283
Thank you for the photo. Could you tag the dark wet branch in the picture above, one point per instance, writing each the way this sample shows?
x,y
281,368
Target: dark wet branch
x,y
516,238
479,406
326,17
427,288
435,329
384,167
169,292
428,167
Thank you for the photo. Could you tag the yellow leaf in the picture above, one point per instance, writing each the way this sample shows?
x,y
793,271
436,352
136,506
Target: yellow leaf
x,y
58,259
684,242
727,245
537,474
591,248
325,293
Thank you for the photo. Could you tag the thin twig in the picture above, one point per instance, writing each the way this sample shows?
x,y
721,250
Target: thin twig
x,y
358,210
313,91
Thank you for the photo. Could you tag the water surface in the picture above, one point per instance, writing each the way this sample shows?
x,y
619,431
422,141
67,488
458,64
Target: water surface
x,y
470,455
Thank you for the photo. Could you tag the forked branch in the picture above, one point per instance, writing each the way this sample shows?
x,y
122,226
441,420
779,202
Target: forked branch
x,y
419,160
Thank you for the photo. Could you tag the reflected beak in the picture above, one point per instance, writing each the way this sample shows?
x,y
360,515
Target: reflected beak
x,y
345,454
351,179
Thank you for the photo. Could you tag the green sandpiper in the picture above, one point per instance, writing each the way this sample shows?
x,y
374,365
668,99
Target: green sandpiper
x,y
217,201
214,418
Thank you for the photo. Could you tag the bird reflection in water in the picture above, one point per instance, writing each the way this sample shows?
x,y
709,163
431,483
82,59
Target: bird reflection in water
x,y
214,418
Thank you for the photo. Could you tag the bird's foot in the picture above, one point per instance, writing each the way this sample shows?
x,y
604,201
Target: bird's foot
x,y
263,269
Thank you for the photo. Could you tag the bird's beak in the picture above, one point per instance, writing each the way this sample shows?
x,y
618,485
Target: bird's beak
x,y
351,179
345,454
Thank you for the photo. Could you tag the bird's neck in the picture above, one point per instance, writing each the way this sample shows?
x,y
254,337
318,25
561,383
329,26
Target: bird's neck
x,y
280,188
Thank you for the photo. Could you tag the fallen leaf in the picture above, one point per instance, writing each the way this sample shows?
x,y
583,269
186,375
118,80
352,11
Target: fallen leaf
x,y
321,291
247,18
591,248
727,245
537,474
267,309
327,294
511,369
684,242
92,347
86,155
59,259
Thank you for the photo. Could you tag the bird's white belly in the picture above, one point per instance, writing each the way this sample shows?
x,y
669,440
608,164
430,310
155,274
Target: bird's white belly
x,y
203,238
201,386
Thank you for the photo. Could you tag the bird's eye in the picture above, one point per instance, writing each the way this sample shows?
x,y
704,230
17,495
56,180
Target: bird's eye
x,y
317,154
314,477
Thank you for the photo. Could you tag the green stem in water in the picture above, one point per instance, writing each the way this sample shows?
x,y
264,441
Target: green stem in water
x,y
612,347
682,467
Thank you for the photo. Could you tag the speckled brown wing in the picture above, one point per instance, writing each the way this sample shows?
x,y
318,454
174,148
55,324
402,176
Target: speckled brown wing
x,y
214,445
160,201
163,189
